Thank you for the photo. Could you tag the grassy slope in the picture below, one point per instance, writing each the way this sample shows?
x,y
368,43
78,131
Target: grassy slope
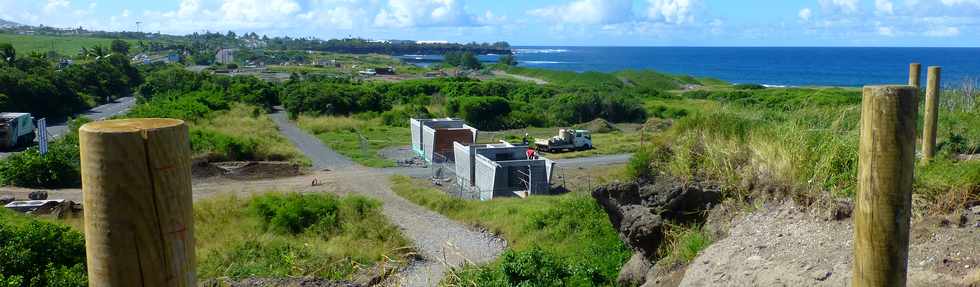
x,y
64,45
232,241
248,122
357,139
571,225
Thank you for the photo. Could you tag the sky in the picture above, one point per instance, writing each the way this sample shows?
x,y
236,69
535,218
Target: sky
x,y
909,23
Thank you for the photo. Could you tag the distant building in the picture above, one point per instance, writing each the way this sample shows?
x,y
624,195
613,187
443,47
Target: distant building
x,y
432,42
225,56
384,71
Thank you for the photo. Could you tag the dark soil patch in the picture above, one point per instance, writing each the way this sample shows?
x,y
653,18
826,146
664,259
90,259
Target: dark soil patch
x,y
279,282
246,170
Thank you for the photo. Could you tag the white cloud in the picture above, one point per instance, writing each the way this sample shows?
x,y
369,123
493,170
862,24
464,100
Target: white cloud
x,y
422,13
672,11
886,31
251,11
840,6
55,5
587,12
943,32
884,7
805,14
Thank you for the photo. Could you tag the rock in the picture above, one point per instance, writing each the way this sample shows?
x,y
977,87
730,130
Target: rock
x,y
820,275
635,271
840,210
38,195
639,213
6,199
975,210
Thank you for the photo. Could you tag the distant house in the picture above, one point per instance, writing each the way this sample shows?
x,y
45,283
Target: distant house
x,y
384,71
225,56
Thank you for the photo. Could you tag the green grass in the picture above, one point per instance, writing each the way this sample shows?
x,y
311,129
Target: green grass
x,y
64,45
684,243
333,238
357,139
568,235
251,124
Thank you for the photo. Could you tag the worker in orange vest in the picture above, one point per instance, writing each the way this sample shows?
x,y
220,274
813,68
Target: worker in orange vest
x,y
531,154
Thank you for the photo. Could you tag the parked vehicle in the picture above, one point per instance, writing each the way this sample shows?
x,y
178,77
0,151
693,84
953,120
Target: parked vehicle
x,y
16,129
566,140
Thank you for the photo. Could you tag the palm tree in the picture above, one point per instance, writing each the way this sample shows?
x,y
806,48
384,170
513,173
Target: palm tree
x,y
97,52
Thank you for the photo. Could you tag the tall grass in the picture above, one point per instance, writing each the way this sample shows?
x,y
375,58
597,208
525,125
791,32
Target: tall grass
x,y
278,235
249,123
811,150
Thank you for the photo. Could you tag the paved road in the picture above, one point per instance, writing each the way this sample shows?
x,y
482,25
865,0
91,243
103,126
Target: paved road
x,y
322,157
118,107
442,242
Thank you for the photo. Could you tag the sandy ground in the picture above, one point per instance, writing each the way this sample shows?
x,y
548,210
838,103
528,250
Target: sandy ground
x,y
782,246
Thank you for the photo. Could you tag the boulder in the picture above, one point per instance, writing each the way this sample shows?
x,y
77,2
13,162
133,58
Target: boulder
x,y
635,271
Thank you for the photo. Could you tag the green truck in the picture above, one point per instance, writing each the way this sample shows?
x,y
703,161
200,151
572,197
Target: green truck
x,y
16,129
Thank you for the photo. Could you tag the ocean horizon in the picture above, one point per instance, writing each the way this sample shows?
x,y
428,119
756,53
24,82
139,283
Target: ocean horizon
x,y
771,66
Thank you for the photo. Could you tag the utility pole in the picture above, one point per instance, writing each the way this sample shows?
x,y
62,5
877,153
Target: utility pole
x,y
138,26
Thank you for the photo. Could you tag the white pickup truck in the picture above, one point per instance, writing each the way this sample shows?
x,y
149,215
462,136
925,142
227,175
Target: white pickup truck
x,y
566,140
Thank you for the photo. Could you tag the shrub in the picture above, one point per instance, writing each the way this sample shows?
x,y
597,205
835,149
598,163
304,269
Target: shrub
x,y
222,146
59,168
295,213
639,164
485,113
37,253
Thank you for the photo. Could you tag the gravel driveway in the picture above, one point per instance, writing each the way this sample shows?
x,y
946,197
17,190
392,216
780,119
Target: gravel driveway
x,y
322,156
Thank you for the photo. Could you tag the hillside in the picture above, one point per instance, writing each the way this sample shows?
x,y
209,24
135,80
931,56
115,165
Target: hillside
x,y
7,24
64,45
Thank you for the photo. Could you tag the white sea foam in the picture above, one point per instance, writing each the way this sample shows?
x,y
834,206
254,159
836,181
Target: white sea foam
x,y
542,62
539,51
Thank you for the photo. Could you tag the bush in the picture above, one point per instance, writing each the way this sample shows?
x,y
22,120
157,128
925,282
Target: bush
x,y
295,213
221,146
639,164
59,168
37,253
485,113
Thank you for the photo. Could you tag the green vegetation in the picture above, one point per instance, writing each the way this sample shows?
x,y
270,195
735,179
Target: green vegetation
x,y
801,138
39,253
279,235
59,168
462,59
61,45
32,83
357,138
554,241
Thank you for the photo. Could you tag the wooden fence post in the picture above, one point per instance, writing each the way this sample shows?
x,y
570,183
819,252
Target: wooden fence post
x,y
914,74
932,115
886,160
136,179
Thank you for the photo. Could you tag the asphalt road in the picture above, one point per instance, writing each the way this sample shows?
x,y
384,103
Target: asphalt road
x,y
57,129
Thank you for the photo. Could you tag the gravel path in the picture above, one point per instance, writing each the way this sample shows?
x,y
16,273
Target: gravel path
x,y
443,243
322,157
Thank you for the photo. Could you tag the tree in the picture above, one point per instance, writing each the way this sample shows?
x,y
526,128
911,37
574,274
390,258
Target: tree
x,y
470,61
8,53
120,47
508,60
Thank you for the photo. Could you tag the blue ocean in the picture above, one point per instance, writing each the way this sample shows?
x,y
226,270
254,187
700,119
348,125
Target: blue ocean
x,y
769,66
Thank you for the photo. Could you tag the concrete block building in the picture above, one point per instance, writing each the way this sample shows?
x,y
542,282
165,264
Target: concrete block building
x,y
433,139
503,169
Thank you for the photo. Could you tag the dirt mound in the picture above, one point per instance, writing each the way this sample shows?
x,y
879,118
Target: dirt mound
x,y
657,125
284,282
597,126
790,246
246,170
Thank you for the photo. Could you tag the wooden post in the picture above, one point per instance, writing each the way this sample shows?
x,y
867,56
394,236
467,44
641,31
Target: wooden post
x,y
136,181
886,161
914,74
932,115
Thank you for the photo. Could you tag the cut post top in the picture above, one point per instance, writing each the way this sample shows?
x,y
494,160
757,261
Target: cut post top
x,y
130,125
889,87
